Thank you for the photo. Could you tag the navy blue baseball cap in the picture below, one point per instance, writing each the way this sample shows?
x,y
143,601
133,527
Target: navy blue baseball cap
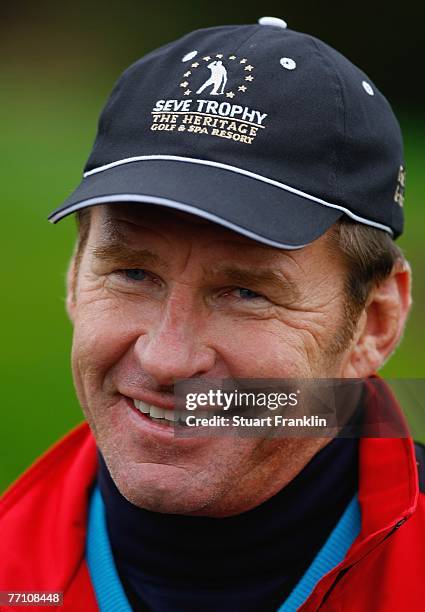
x,y
267,131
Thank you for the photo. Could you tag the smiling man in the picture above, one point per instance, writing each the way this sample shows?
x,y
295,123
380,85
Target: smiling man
x,y
245,237
169,291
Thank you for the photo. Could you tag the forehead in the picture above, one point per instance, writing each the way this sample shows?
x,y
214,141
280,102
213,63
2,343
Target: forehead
x,y
129,223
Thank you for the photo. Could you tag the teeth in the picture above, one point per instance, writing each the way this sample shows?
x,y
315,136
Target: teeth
x,y
145,408
154,412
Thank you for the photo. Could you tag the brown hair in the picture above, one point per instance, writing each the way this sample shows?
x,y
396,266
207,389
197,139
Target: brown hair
x,y
82,218
370,255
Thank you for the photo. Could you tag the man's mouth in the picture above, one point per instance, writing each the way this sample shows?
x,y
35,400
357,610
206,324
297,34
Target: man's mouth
x,y
166,416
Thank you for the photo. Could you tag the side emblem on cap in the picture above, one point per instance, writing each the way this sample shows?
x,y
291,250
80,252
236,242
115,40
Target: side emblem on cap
x,y
401,185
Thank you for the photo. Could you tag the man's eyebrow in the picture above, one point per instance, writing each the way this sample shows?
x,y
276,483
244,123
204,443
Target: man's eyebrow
x,y
256,278
124,255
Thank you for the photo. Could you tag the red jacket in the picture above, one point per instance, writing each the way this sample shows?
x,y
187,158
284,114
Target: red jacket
x,y
43,529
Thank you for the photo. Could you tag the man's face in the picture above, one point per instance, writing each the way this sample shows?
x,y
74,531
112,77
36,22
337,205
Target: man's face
x,y
163,296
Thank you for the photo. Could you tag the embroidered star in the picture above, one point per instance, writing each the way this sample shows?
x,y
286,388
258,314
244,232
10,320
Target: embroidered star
x,y
249,78
243,61
184,84
232,57
249,67
187,92
194,65
206,58
219,55
230,94
242,88
188,73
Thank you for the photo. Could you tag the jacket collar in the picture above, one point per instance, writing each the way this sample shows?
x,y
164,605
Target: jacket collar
x,y
388,483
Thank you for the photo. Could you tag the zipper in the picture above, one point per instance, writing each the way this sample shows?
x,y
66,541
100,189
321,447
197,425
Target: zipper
x,y
346,569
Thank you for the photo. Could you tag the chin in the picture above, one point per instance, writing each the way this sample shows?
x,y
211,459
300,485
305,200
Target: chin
x,y
161,488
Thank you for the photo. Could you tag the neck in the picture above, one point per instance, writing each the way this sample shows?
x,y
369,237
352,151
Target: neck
x,y
280,533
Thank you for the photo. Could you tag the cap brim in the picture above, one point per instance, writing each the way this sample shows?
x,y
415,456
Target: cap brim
x,y
260,210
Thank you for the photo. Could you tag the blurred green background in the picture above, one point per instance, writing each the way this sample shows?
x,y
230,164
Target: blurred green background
x,y
58,64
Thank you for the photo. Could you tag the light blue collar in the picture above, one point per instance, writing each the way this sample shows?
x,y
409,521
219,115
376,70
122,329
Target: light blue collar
x,y
331,554
112,598
110,594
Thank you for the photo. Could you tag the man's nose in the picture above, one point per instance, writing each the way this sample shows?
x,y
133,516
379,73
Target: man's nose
x,y
174,349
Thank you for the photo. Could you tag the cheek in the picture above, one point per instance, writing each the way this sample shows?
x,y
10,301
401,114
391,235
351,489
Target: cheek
x,y
104,330
265,349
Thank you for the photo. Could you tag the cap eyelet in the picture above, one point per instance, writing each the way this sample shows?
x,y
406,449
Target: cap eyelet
x,y
288,63
273,21
189,56
368,88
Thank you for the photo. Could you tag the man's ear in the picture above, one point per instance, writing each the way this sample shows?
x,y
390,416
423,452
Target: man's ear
x,y
381,324
71,289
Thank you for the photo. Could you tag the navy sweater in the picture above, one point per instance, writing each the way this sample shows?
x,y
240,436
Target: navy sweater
x,y
248,562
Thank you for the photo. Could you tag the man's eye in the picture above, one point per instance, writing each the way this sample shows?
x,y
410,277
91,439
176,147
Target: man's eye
x,y
247,294
137,274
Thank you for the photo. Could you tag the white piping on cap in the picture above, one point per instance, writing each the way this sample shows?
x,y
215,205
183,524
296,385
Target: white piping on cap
x,y
171,204
237,170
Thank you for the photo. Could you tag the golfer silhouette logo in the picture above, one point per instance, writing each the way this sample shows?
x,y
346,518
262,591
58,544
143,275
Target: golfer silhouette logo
x,y
218,79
